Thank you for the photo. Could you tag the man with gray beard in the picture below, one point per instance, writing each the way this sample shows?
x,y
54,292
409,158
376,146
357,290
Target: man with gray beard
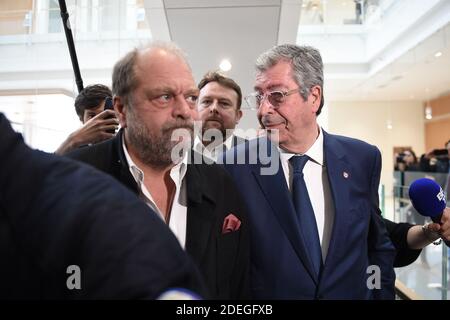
x,y
155,99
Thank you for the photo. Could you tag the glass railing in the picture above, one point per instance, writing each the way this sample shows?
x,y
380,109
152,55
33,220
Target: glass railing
x,y
428,275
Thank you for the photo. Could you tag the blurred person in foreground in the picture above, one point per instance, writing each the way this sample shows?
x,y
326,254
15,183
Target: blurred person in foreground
x,y
68,231
94,109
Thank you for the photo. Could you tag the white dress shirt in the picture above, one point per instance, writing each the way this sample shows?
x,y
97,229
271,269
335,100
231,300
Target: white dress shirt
x,y
316,180
178,213
213,153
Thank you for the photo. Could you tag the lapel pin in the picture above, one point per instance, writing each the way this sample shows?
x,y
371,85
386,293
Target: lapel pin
x,y
345,174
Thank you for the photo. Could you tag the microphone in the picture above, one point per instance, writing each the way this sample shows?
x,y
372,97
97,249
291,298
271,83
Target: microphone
x,y
428,198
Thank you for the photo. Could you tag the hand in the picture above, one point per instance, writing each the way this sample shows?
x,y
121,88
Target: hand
x,y
444,228
93,131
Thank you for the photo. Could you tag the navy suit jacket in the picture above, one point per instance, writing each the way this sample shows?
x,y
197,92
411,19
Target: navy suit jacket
x,y
280,268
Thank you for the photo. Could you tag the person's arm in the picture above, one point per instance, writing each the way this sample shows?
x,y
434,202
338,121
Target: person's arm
x,y
410,239
95,130
399,233
431,232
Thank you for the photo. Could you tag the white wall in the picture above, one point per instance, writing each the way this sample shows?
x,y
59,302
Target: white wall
x,y
368,121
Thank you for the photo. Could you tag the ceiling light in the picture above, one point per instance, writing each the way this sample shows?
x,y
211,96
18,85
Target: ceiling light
x,y
389,124
225,65
428,112
438,54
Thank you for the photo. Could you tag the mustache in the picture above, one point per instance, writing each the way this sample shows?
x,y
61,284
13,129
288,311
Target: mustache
x,y
267,120
214,118
178,125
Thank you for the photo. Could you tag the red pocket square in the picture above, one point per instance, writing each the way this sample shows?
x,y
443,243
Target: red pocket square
x,y
230,224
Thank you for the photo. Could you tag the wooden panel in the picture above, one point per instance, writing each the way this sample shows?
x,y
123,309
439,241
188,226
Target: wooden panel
x,y
440,106
14,5
12,14
437,133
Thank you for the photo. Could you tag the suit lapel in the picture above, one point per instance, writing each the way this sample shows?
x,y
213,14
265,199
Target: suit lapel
x,y
339,177
279,197
121,165
200,218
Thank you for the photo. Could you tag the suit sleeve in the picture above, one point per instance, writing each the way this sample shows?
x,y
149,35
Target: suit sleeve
x,y
398,233
381,251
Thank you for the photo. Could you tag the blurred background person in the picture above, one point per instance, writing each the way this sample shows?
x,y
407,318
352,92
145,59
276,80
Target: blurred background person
x,y
407,161
437,160
94,109
219,106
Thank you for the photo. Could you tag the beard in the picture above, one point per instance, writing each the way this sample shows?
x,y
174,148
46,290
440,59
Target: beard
x,y
157,148
208,126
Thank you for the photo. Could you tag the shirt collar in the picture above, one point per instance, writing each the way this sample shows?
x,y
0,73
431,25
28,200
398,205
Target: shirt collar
x,y
315,152
138,174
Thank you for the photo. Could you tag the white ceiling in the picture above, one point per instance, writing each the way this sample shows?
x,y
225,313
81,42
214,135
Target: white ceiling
x,y
415,75
211,30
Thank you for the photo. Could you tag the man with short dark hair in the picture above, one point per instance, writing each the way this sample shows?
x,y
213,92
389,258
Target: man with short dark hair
x,y
219,105
155,97
99,122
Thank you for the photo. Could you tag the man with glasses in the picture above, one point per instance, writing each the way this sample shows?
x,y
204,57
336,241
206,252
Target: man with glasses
x,y
155,98
219,106
316,227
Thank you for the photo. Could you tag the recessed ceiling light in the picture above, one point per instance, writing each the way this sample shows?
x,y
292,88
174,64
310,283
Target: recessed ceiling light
x,y
389,124
225,65
438,54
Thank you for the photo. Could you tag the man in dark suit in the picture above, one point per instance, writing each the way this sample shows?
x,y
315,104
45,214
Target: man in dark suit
x,y
155,98
315,223
68,231
219,105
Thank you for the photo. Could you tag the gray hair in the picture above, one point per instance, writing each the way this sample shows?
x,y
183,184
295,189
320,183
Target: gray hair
x,y
306,64
124,76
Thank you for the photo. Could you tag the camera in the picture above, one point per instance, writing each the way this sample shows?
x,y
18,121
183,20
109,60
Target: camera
x,y
401,158
440,153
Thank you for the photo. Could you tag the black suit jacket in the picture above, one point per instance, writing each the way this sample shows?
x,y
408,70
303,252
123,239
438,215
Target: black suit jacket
x,y
223,259
55,213
238,140
398,232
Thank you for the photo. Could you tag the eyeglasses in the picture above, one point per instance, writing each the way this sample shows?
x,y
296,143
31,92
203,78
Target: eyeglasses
x,y
275,98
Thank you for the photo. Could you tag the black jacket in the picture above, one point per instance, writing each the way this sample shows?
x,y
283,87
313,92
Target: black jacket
x,y
223,259
398,233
